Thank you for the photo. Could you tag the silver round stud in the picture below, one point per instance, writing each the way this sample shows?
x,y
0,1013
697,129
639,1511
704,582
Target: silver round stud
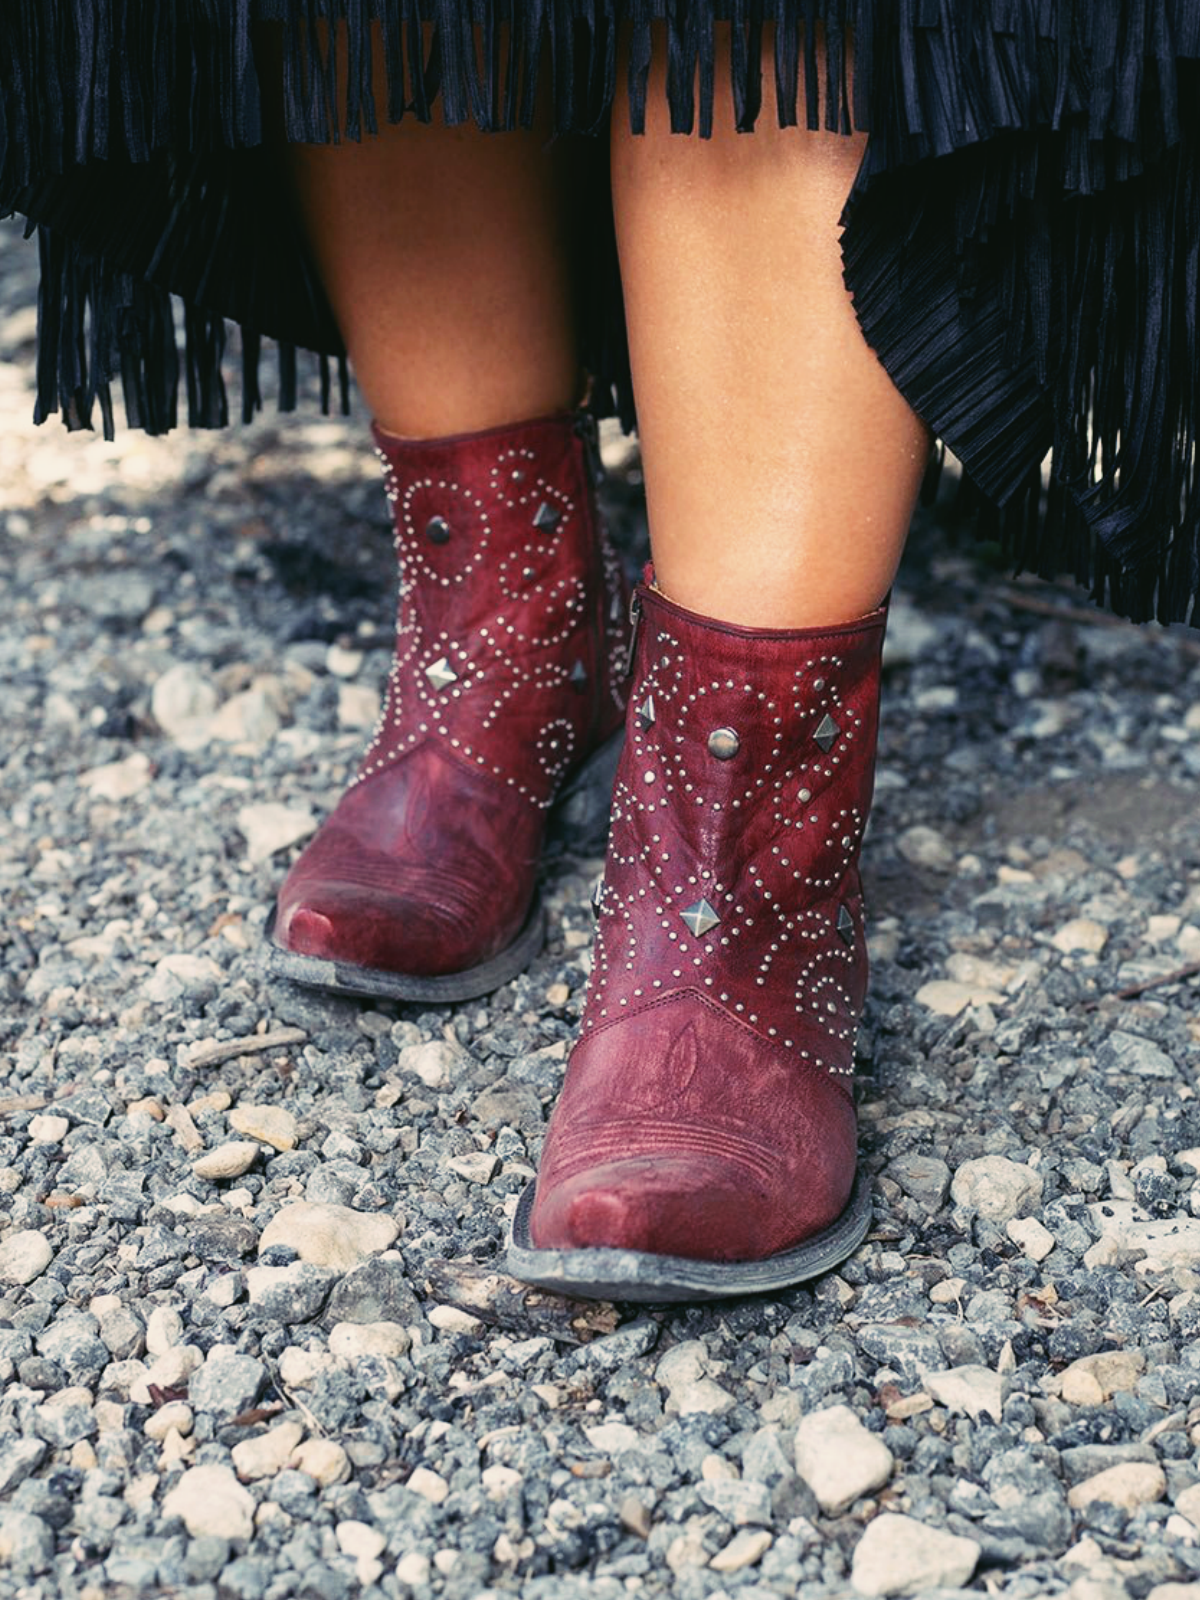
x,y
723,743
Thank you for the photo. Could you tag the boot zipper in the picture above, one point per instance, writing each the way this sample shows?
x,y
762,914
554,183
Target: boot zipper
x,y
635,618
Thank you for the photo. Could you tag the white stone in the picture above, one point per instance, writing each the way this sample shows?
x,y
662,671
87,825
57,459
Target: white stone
x,y
348,1341
358,705
898,1555
970,1391
476,1166
172,1369
181,702
1028,1234
746,1548
300,1369
270,827
613,1438
413,1569
342,661
839,1459
437,1063
360,1539
452,1319
1125,1231
322,1459
1187,1501
176,1414
1129,1485
211,1501
500,1481
267,1453
995,1187
164,1328
1108,1373
179,974
251,717
429,1485
24,1256
118,780
227,1160
925,847
948,998
327,1235
269,1124
1081,936
47,1129
1173,1591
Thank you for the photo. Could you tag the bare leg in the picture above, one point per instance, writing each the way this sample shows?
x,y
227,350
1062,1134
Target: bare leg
x,y
781,463
446,255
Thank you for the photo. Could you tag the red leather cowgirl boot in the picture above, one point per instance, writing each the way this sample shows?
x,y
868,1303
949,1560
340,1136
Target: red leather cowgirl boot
x,y
705,1140
504,701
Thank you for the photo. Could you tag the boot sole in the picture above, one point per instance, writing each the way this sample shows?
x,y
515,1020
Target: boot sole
x,y
578,821
609,1274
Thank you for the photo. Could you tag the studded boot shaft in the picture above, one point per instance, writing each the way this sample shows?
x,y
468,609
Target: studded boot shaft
x,y
506,679
707,1112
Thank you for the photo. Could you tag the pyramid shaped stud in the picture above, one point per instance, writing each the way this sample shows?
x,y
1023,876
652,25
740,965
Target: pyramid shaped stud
x,y
700,918
598,896
827,732
437,530
547,517
845,925
577,677
441,674
645,714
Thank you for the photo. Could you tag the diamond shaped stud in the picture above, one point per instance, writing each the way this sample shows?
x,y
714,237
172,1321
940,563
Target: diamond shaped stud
x,y
547,517
827,732
437,530
700,918
845,925
441,674
645,714
723,743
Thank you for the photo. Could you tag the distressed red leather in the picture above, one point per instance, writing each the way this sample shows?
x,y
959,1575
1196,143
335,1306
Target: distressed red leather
x,y
707,1110
510,641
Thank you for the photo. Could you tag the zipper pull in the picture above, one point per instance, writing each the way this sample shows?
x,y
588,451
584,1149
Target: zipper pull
x,y
635,618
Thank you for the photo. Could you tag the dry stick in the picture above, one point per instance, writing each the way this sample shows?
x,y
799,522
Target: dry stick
x,y
493,1297
23,1102
1085,615
1180,975
207,1055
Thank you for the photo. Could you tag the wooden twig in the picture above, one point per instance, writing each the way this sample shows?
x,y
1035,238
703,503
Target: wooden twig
x,y
1135,990
209,1053
493,1297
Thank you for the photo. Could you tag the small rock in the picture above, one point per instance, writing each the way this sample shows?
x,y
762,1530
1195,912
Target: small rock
x,y
613,1438
949,998
322,1459
745,1549
181,701
270,827
1187,1501
360,1539
176,1414
996,1188
1132,1484
19,1458
227,1384
924,847
26,1542
349,1341
1130,1053
164,1328
24,1256
838,1459
898,1555
46,1129
452,1319
118,780
1081,936
251,717
327,1235
635,1517
342,661
1028,1234
211,1501
476,1166
438,1063
227,1160
269,1124
970,1391
291,1294
358,705
740,1502
267,1454
429,1485
182,975
689,1391
925,1178
412,1569
1108,1373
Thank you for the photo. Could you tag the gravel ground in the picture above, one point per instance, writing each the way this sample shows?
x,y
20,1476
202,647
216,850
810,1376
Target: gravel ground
x,y
209,1388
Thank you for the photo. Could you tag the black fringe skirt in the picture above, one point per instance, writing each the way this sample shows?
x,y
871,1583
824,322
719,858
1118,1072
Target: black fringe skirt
x,y
1022,241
